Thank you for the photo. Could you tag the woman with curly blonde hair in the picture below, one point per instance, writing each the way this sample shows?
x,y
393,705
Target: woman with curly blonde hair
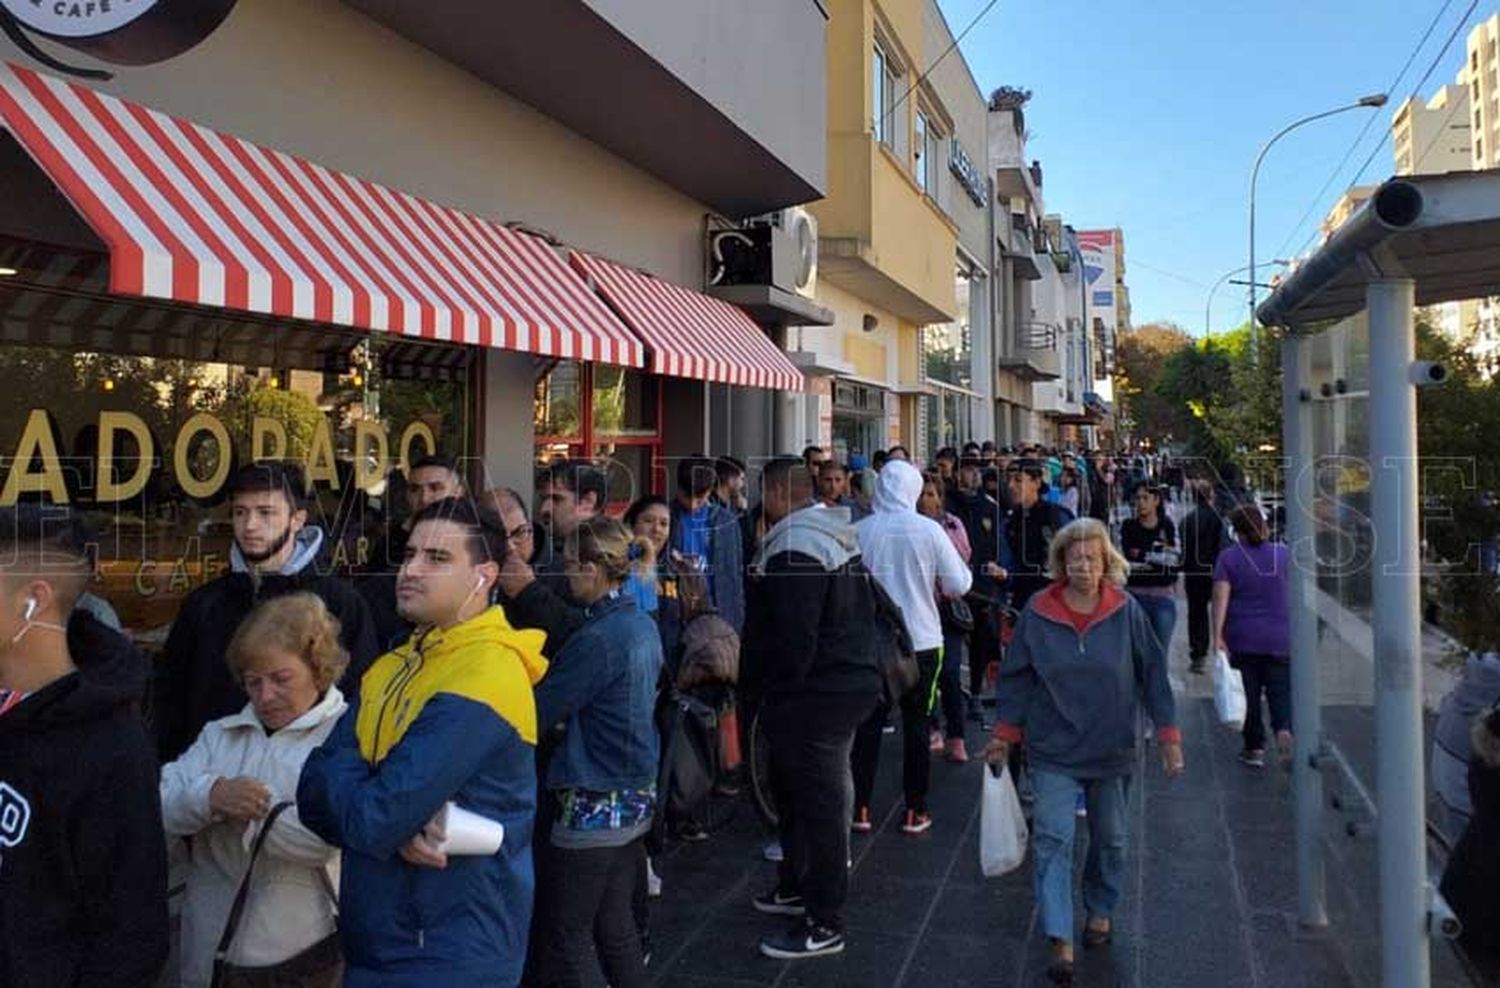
x,y
1083,659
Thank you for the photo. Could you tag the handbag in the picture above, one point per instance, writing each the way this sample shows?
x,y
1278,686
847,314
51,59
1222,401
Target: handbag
x,y
956,615
319,966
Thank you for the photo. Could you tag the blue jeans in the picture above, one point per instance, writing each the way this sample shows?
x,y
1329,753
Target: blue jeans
x,y
950,684
1056,806
1163,614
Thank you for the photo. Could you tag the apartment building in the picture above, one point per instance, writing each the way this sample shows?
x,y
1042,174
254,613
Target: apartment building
x,y
1481,77
1435,136
887,242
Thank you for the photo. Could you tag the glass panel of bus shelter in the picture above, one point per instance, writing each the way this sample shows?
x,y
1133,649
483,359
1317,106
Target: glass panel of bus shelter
x,y
1346,550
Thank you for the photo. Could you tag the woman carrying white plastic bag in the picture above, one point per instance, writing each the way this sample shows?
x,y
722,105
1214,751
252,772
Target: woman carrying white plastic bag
x,y
1252,625
1083,663
1002,825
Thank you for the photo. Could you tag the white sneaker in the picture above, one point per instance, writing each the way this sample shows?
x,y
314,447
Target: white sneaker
x,y
773,851
653,880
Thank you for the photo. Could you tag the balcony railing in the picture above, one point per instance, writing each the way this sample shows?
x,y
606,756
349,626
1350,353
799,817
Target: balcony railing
x,y
1037,335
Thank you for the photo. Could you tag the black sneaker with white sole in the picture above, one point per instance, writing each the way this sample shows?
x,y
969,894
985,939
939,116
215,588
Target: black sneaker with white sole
x,y
779,903
805,939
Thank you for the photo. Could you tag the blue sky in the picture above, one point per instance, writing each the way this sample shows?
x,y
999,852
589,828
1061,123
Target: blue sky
x,y
1147,115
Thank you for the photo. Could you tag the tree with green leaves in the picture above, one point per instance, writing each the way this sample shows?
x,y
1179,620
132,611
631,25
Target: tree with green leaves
x,y
1141,356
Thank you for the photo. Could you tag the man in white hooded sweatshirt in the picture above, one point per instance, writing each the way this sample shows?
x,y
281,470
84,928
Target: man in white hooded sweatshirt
x,y
914,561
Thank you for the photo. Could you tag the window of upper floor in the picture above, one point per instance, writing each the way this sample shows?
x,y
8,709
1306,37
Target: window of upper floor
x,y
885,87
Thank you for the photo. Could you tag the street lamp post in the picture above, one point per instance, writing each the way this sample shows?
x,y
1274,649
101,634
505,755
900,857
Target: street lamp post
x,y
1208,306
1372,102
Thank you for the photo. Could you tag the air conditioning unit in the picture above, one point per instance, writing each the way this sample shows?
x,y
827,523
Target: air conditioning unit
x,y
779,249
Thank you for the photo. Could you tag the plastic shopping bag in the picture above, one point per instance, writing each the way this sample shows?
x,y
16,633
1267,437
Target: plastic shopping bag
x,y
1002,825
1229,692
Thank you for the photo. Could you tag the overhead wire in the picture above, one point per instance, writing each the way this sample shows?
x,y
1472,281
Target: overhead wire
x,y
937,61
1417,89
1359,139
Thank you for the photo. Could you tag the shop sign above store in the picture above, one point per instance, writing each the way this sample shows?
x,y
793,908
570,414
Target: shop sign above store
x,y
968,174
76,18
39,467
125,32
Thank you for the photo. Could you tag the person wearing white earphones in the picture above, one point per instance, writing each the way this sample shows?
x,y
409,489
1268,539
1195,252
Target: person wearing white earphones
x,y
82,855
449,716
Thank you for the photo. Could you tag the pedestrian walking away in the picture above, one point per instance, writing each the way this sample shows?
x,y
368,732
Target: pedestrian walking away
x,y
1203,537
809,657
1252,624
914,560
1083,660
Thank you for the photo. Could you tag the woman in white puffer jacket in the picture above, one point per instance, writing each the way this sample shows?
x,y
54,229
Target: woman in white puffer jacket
x,y
287,656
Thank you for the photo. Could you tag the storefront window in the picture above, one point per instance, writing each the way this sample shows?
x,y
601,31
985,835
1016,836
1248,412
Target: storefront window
x,y
559,402
609,414
859,420
625,402
144,446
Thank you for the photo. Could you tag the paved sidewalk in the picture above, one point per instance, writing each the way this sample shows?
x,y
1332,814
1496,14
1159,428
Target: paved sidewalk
x,y
1211,900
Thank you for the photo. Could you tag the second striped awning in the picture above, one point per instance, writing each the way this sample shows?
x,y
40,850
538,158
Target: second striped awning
x,y
690,334
193,215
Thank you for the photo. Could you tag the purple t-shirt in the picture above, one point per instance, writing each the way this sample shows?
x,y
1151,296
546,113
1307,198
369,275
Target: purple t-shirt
x,y
1259,619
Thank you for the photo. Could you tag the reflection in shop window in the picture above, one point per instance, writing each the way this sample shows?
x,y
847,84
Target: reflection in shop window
x,y
143,447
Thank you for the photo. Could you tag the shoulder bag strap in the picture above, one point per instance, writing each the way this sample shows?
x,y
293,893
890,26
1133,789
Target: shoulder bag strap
x,y
237,910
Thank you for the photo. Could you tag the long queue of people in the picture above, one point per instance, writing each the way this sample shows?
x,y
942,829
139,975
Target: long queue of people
x,y
447,770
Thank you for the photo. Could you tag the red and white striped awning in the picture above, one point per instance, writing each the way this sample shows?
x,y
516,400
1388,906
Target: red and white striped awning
x,y
688,333
193,215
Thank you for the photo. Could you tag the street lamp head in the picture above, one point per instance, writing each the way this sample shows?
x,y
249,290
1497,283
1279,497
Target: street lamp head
x,y
1377,100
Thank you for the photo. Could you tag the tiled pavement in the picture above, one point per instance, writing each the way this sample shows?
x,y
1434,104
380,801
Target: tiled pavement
x,y
1211,895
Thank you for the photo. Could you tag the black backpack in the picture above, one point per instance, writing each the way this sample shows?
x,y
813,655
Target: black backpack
x,y
893,646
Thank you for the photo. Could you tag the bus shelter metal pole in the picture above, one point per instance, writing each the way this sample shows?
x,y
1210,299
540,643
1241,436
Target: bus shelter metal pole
x,y
1399,783
1307,713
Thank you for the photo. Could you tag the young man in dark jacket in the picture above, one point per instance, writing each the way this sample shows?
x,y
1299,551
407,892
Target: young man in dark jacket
x,y
1202,539
983,518
83,870
809,656
275,552
1029,527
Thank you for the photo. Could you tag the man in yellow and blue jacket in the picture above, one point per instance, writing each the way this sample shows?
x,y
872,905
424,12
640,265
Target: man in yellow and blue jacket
x,y
448,716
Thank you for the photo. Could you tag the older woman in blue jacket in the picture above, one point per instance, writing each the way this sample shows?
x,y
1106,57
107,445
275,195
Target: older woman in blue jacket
x,y
1082,661
602,778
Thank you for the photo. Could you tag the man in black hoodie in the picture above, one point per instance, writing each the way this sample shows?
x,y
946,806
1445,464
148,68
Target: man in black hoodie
x,y
275,552
83,870
809,658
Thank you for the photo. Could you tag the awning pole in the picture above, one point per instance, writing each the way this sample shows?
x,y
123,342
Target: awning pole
x,y
1307,712
1398,640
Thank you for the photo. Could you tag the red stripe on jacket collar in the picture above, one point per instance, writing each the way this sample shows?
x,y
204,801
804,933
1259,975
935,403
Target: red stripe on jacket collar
x,y
1050,605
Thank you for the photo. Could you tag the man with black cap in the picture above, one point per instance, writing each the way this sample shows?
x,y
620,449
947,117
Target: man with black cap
x,y
983,518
